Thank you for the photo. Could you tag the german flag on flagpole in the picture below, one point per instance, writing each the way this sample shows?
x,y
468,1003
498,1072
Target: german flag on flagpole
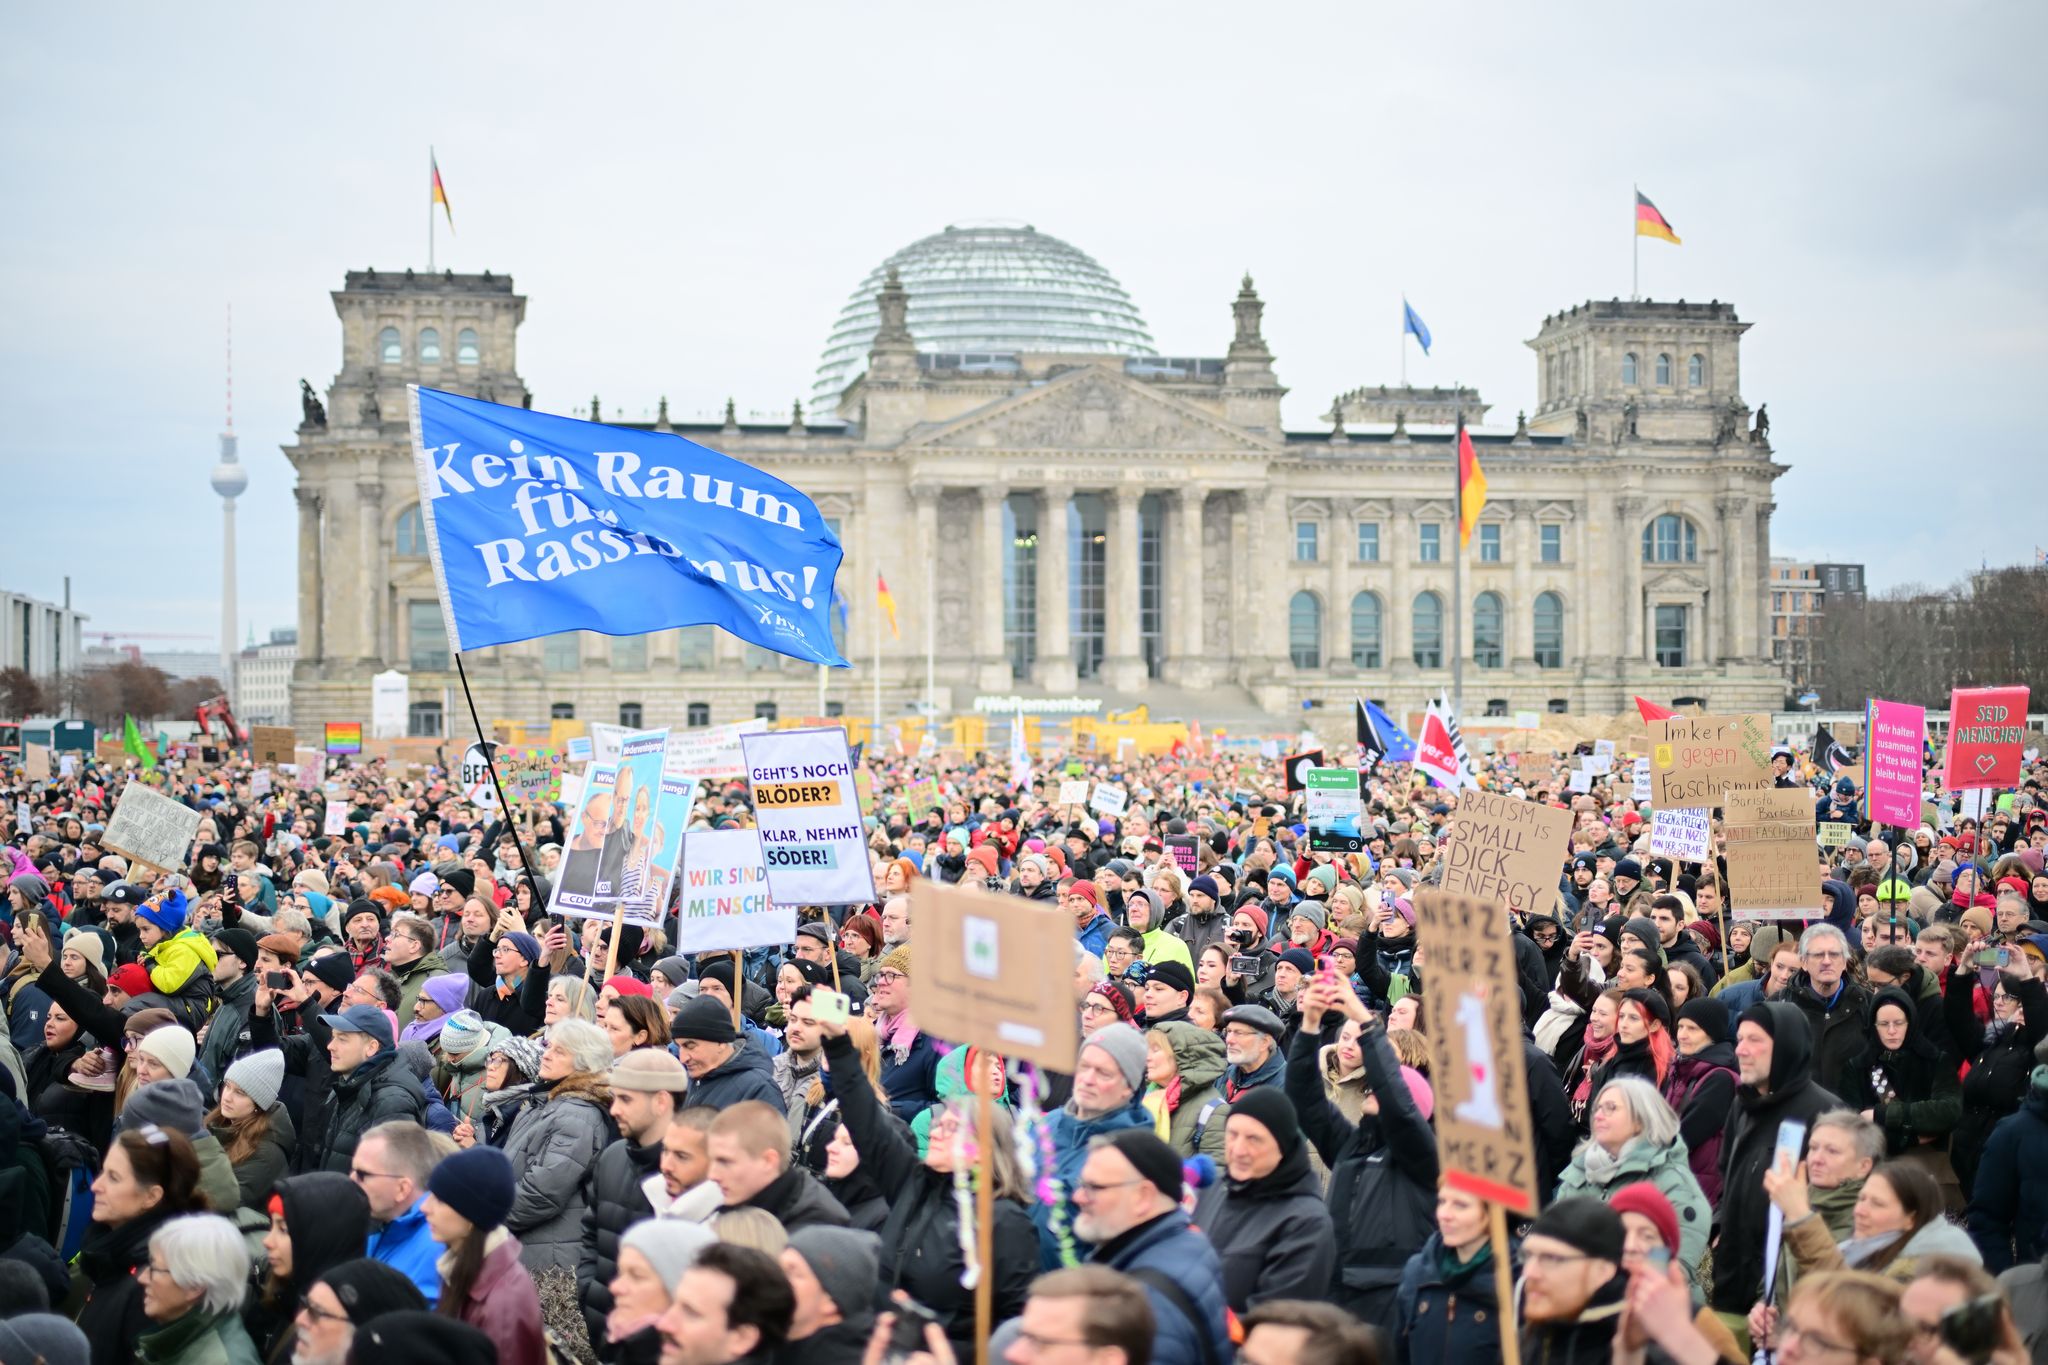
x,y
886,600
440,191
1651,223
1471,486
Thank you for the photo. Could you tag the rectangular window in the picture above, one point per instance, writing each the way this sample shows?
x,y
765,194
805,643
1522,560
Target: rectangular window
x,y
562,710
1550,543
629,653
693,647
1560,706
1305,542
630,714
562,653
1489,543
1430,543
428,632
1368,542
765,710
1671,637
697,714
423,720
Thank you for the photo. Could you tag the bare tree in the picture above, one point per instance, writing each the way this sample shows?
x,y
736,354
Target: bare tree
x,y
21,696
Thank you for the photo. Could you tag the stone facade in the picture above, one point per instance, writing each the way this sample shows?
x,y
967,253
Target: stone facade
x,y
1132,528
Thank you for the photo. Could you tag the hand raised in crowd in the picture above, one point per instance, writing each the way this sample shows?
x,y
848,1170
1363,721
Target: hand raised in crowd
x,y
1785,1183
32,938
1660,1311
508,923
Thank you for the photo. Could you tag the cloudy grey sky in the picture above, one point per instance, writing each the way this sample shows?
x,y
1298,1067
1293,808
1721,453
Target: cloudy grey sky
x,y
687,194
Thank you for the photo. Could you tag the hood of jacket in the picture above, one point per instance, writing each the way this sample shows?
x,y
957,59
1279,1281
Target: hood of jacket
x,y
1791,1047
328,1219
1197,1054
1712,1055
1293,1176
1943,1237
1916,1042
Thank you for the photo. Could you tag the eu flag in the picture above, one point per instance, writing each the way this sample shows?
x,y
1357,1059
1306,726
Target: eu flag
x,y
1413,325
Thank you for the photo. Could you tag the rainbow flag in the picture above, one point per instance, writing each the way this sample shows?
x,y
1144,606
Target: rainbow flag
x,y
886,600
1651,223
440,192
1471,486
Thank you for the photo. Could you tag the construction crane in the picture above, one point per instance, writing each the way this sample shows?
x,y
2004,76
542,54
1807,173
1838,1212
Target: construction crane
x,y
134,652
216,709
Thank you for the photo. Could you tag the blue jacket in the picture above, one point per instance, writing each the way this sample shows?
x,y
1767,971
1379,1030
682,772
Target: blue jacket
x,y
1170,1246
746,1075
406,1246
1440,1317
1070,1139
911,1085
2009,1202
1094,935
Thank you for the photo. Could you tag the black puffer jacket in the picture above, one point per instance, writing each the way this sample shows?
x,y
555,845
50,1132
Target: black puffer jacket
x,y
1272,1234
612,1202
2001,1060
1746,1150
1383,1172
920,1251
798,1199
106,1298
373,1093
305,1058
327,1216
1837,1025
748,1074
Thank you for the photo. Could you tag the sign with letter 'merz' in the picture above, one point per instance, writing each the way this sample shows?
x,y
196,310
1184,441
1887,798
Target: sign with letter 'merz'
x,y
806,806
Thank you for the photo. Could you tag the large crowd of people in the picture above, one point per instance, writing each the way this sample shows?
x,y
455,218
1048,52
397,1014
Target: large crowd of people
x,y
322,1098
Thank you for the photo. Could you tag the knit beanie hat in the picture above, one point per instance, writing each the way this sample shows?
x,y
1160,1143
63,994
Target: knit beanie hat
x,y
1257,915
422,1338
1325,875
260,1076
333,971
705,1020
1174,976
131,979
461,1032
447,991
174,1106
1419,1091
173,1046
241,943
1206,884
845,1260
1125,1046
1299,959
478,1184
368,1288
43,1339
522,1053
671,1245
527,944
1581,1223
1646,1199
625,984
674,969
1156,1163
167,913
896,960
1310,911
89,946
1269,1106
1655,1006
1710,1014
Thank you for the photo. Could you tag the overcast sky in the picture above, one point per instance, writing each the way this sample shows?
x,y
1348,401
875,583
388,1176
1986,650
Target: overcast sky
x,y
687,194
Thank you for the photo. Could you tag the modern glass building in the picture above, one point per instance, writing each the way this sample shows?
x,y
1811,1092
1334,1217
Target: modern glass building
x,y
980,294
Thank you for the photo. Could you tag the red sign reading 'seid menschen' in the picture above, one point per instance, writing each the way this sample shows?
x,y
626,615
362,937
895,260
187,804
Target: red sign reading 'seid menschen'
x,y
1987,729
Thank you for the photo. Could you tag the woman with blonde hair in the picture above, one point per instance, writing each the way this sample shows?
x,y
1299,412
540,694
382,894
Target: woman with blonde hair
x,y
747,1226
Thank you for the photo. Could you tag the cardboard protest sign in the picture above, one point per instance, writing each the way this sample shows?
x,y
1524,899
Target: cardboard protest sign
x,y
1897,736
1603,748
272,743
107,750
151,828
588,875
336,820
1108,799
724,895
808,810
1473,1010
1639,780
1297,766
1506,850
260,782
1987,729
312,765
1073,792
712,754
1581,780
1835,833
1773,872
36,762
473,777
1685,833
1336,811
344,737
1600,765
921,796
985,973
1694,759
530,772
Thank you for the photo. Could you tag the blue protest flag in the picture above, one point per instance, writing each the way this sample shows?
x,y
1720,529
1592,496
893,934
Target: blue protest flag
x,y
1396,746
539,524
1413,325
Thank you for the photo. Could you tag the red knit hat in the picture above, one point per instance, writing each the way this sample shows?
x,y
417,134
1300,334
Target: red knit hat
x,y
1087,892
1256,915
986,857
629,985
1646,1199
130,979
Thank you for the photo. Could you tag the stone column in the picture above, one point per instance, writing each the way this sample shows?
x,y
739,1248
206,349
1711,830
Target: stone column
x,y
1186,661
1521,606
1754,588
312,607
1629,537
371,576
1269,606
1733,589
925,498
992,664
1337,612
1397,625
1055,626
1238,593
1123,659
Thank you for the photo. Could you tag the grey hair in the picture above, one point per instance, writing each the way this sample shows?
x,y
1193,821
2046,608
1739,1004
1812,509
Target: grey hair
x,y
205,1252
410,1147
1868,1137
1655,1120
589,1047
1818,931
291,921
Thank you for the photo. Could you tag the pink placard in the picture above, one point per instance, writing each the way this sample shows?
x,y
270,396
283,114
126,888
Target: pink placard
x,y
1894,734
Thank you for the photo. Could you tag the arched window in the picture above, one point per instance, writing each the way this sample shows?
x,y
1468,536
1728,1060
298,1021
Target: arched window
x,y
409,536
1429,630
1549,630
1670,539
1489,629
1365,630
466,351
1696,372
1663,369
389,348
1305,630
430,346
1628,368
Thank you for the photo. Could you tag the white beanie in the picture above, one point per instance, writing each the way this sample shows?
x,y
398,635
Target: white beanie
x,y
260,1075
172,1045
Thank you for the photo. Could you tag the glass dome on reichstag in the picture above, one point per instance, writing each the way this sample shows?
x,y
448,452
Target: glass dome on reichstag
x,y
982,291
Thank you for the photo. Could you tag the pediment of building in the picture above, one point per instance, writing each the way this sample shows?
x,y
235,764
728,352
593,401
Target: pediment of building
x,y
1097,410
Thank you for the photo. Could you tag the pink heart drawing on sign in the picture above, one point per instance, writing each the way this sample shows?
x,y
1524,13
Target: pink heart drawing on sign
x,y
1986,762
1478,1074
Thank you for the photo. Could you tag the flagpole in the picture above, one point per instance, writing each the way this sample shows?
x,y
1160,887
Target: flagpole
x,y
1635,251
430,209
1458,569
1404,341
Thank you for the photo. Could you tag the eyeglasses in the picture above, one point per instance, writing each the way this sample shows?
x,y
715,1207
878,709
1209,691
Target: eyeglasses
x,y
887,978
320,1314
149,1270
1091,1007
359,1175
1095,1187
1788,1332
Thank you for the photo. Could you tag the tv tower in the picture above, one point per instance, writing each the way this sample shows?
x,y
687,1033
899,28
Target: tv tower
x,y
230,480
